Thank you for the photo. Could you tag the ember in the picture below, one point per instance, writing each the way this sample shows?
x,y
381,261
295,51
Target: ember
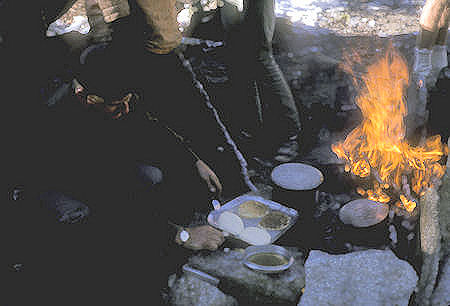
x,y
377,150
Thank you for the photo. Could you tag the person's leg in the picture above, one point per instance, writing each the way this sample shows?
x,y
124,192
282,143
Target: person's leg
x,y
245,113
100,30
165,198
432,18
282,113
439,52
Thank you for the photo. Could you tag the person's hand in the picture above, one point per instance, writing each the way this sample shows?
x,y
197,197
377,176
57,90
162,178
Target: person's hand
x,y
115,109
209,177
119,108
202,237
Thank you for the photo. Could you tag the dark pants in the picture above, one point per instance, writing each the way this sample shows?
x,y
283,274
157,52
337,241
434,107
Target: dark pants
x,y
122,251
262,91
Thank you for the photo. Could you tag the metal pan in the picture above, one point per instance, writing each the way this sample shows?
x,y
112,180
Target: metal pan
x,y
232,206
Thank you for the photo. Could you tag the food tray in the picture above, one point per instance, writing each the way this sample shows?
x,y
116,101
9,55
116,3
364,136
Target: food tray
x,y
232,206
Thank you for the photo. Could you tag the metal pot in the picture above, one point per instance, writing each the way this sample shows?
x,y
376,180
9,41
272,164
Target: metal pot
x,y
369,226
295,185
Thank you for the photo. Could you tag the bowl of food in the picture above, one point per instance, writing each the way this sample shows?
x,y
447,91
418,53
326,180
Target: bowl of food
x,y
267,258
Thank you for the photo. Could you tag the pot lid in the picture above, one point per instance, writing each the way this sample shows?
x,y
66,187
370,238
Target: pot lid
x,y
363,212
296,176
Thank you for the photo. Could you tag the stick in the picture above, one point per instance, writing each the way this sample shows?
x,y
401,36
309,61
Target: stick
x,y
207,100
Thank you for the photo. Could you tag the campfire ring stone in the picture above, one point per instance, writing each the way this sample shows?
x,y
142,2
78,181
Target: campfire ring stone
x,y
363,212
296,176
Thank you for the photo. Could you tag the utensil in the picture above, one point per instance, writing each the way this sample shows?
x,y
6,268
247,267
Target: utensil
x,y
200,275
215,204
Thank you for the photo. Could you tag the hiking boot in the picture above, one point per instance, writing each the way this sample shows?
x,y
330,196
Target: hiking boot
x,y
66,209
288,151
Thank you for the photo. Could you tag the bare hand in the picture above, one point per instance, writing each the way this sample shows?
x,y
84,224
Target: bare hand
x,y
209,177
116,109
204,237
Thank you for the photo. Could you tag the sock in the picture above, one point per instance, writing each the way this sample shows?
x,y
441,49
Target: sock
x,y
439,57
422,61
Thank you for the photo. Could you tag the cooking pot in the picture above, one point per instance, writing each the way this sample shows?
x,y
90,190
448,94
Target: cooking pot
x,y
295,185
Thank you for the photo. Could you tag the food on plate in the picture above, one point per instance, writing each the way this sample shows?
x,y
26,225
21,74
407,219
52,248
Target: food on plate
x,y
252,209
268,259
230,222
275,220
255,236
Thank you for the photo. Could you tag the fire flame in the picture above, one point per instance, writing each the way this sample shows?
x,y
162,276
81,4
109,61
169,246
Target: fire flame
x,y
376,149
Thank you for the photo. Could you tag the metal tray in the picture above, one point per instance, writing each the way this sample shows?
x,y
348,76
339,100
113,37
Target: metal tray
x,y
233,205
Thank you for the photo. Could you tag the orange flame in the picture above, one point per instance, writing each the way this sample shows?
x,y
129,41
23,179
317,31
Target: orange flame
x,y
376,148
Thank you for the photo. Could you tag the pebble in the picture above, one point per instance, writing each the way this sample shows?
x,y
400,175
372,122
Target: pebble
x,y
393,234
408,225
371,23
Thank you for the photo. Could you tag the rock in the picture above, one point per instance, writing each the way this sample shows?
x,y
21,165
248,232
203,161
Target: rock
x,y
430,245
363,213
248,286
342,198
393,234
188,290
371,277
444,210
441,295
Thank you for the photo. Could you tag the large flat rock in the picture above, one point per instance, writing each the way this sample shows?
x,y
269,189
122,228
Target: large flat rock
x,y
441,295
248,286
189,290
371,277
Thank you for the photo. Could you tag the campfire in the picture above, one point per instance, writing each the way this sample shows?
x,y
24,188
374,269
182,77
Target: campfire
x,y
393,171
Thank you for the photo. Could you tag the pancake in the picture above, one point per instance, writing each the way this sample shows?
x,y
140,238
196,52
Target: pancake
x,y
255,236
230,222
252,209
275,220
